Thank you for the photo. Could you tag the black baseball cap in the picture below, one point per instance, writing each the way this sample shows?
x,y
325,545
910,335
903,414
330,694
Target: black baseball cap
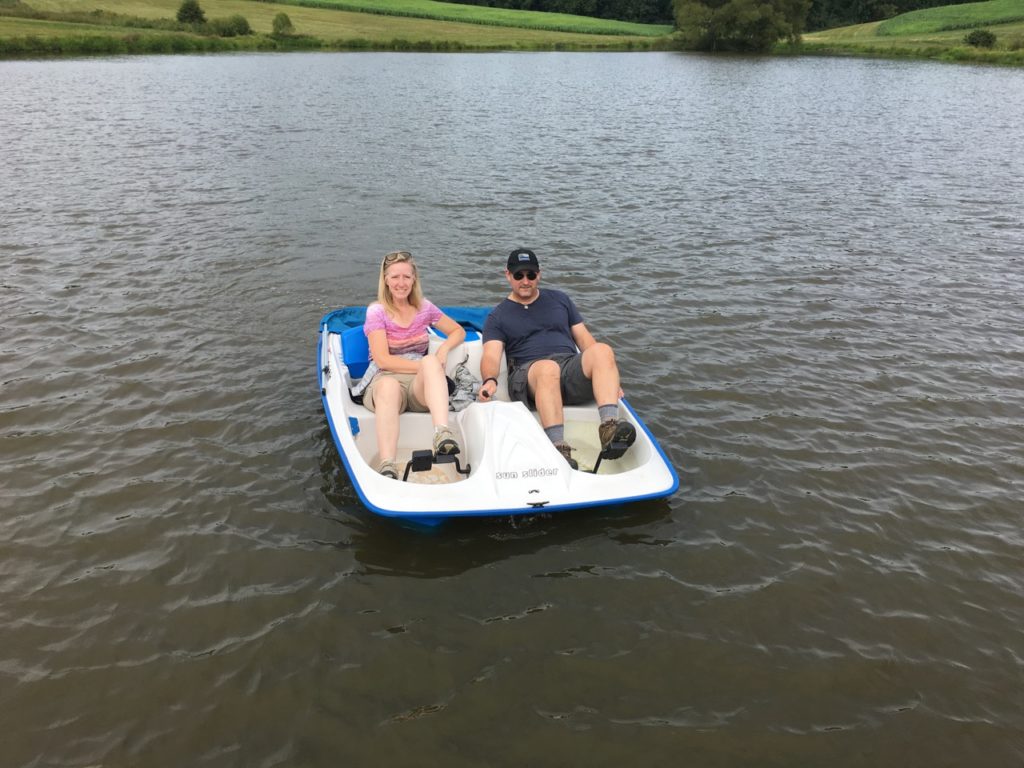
x,y
522,258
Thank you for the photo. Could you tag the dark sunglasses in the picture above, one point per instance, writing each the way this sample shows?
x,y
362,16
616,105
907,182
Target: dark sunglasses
x,y
530,275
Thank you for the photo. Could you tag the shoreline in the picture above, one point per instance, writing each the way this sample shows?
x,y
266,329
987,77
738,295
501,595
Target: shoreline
x,y
940,54
31,47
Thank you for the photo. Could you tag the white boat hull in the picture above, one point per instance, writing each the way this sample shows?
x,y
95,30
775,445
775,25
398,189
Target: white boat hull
x,y
512,466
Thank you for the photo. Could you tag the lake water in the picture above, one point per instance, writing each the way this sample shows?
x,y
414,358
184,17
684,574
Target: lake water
x,y
811,270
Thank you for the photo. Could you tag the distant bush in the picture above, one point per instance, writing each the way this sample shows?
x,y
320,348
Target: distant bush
x,y
232,26
751,26
189,12
980,38
283,25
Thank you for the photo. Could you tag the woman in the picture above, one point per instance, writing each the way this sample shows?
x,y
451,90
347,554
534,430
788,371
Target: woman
x,y
408,378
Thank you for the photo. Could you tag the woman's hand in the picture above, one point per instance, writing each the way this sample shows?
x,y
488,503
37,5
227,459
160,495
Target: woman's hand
x,y
442,355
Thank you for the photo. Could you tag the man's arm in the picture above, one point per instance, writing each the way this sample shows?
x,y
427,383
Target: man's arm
x,y
490,367
582,336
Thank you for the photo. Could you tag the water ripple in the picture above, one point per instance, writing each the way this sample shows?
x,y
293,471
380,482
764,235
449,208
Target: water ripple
x,y
809,271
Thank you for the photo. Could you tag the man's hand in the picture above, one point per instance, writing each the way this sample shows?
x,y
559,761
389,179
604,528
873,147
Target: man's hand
x,y
487,390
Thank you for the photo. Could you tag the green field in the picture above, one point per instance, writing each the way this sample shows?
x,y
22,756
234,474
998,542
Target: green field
x,y
500,17
392,25
954,17
934,33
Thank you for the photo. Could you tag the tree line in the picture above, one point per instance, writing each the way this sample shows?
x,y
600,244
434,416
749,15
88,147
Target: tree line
x,y
642,11
729,25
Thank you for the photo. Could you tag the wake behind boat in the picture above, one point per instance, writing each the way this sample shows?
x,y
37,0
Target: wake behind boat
x,y
507,465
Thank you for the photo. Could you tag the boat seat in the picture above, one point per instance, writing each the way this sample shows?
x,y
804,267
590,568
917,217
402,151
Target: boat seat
x,y
355,352
355,349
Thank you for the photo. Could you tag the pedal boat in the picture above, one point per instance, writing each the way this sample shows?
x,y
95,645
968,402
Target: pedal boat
x,y
506,464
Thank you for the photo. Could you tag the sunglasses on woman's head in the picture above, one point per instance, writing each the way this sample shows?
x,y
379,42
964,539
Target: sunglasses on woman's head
x,y
391,258
529,275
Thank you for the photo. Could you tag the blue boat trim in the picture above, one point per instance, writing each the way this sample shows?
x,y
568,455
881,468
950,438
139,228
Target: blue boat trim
x,y
339,320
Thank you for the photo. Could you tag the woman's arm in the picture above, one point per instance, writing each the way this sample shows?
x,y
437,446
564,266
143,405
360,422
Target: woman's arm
x,y
456,335
382,356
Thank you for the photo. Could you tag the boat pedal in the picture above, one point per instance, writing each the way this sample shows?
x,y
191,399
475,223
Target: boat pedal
x,y
451,458
423,461
615,450
420,461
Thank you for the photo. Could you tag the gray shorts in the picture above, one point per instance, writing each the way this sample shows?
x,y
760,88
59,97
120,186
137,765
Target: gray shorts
x,y
576,387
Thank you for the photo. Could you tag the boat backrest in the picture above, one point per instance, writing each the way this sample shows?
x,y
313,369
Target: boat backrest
x,y
355,351
470,352
471,334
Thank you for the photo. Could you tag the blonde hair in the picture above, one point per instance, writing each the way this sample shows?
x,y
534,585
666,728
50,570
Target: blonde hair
x,y
384,293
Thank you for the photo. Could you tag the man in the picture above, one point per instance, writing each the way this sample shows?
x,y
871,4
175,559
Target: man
x,y
552,358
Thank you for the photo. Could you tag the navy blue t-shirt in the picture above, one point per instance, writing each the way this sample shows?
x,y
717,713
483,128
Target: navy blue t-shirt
x,y
534,331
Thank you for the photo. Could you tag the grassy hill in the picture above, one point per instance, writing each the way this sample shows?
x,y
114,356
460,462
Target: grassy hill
x,y
932,33
77,27
73,27
499,17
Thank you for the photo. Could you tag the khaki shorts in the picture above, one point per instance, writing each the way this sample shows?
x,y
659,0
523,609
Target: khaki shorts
x,y
408,401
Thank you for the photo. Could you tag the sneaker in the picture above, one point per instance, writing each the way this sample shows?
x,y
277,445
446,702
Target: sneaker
x,y
389,469
444,442
566,450
614,431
